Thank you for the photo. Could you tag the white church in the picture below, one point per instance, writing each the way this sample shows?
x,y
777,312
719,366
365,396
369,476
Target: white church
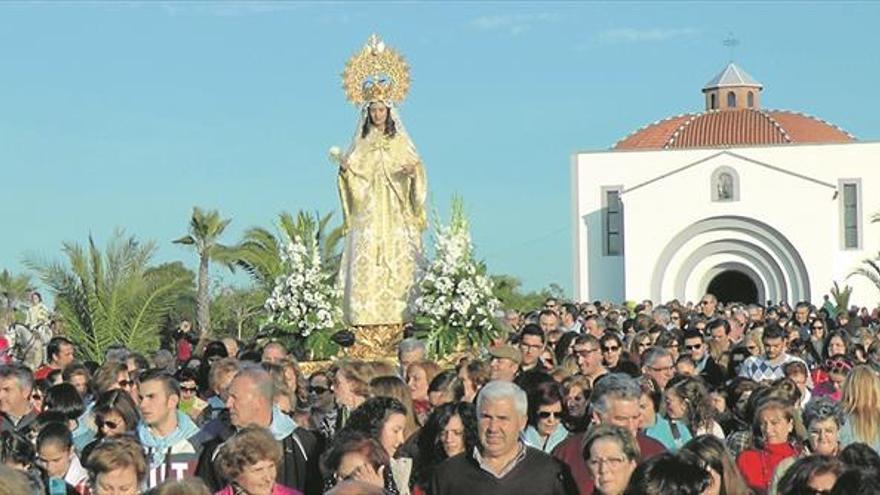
x,y
747,203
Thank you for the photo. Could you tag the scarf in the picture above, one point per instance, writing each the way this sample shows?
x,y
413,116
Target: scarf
x,y
158,447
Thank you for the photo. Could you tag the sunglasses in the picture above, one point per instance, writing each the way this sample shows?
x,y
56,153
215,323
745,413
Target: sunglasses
x,y
100,423
547,414
693,347
189,389
318,390
610,348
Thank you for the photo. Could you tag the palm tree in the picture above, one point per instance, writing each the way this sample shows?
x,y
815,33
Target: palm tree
x,y
111,296
14,289
259,252
205,228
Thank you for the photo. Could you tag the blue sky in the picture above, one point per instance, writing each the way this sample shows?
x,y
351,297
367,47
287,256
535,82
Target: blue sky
x,y
127,114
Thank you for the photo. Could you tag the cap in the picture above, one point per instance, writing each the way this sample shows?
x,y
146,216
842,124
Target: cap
x,y
507,352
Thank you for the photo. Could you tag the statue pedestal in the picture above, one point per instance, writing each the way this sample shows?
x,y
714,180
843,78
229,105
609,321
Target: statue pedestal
x,y
375,342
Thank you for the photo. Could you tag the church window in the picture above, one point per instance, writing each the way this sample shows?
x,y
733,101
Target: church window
x,y
613,223
751,99
731,99
851,214
725,185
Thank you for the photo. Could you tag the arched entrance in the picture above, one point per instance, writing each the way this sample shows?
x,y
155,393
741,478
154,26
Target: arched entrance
x,y
733,286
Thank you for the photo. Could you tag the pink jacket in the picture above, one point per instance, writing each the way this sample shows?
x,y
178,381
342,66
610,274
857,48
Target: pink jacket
x,y
276,490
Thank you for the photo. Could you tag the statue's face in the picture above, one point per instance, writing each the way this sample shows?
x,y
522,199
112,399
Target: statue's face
x,y
378,114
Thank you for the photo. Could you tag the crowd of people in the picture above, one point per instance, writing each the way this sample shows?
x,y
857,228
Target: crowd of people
x,y
588,398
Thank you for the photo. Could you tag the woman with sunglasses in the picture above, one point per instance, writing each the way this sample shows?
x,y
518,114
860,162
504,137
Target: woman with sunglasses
x,y
545,429
115,415
615,357
640,343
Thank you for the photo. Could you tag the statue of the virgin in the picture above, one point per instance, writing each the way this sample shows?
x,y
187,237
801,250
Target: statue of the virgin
x,y
382,190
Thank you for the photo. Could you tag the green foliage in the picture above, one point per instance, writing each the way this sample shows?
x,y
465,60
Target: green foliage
x,y
870,270
14,290
259,252
184,305
841,296
237,312
507,290
205,229
110,296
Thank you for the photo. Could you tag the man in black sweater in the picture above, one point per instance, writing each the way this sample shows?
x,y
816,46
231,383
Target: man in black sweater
x,y
502,464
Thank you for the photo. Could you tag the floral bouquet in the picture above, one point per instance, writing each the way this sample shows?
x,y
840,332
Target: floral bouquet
x,y
455,305
305,301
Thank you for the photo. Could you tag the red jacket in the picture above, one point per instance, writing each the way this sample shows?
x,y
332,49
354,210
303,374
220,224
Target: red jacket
x,y
757,465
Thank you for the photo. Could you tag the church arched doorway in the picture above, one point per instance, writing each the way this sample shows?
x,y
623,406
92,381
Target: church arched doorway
x,y
733,286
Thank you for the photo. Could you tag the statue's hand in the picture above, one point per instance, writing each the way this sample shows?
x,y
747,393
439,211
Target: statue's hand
x,y
409,169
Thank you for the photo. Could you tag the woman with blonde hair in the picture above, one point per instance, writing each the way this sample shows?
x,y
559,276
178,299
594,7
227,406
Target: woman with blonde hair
x,y
860,402
352,386
393,387
753,342
418,377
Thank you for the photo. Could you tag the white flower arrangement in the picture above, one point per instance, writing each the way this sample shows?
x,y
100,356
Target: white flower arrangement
x,y
305,301
455,305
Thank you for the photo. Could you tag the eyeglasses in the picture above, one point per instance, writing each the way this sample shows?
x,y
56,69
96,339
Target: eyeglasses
x,y
611,462
585,352
318,390
703,303
100,423
189,390
693,347
547,414
610,348
527,347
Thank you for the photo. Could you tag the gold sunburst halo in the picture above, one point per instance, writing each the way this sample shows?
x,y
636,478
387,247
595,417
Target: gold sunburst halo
x,y
375,72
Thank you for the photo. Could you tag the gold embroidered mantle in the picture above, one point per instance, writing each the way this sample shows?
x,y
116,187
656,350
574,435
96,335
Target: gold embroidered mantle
x,y
384,215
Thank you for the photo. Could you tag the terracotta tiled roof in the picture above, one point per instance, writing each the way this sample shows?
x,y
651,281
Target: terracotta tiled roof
x,y
733,128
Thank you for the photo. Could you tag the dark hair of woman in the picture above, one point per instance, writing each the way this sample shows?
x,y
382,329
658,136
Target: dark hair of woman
x,y
543,394
65,399
350,441
370,417
694,393
16,449
856,482
431,452
666,474
562,346
713,453
447,382
390,127
860,456
120,402
796,479
842,335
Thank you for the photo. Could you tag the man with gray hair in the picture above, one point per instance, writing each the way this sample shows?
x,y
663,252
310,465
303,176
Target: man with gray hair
x,y
502,464
16,386
614,401
657,364
409,351
250,403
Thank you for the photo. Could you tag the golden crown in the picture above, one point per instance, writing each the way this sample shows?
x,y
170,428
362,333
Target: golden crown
x,y
375,73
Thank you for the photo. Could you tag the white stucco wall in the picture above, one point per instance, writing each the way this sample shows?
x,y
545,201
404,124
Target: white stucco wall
x,y
789,188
